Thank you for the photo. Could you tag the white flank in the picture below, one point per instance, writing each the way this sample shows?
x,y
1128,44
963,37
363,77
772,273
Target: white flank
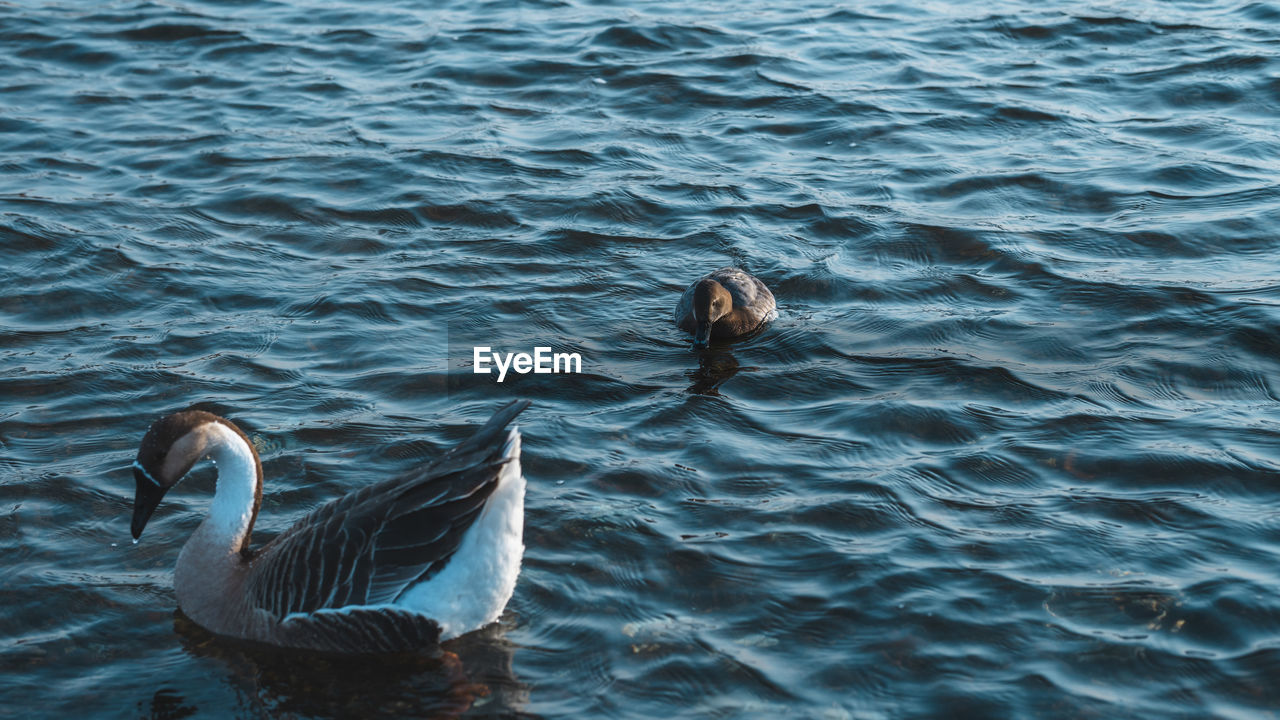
x,y
471,591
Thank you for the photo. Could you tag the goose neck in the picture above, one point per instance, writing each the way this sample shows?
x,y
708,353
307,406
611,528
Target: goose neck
x,y
239,489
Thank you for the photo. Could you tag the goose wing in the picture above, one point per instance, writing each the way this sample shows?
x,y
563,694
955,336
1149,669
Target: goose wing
x,y
360,630
369,546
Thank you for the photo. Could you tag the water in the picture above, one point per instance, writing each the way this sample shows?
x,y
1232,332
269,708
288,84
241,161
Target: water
x,y
1010,450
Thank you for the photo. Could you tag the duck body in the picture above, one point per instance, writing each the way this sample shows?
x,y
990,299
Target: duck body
x,y
397,565
723,305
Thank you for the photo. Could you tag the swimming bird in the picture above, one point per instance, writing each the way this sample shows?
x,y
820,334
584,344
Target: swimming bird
x,y
725,304
394,566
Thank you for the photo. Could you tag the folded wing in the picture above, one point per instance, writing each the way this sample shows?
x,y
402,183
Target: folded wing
x,y
370,546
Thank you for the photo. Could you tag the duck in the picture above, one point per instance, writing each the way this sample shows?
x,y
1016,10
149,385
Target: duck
x,y
725,304
398,565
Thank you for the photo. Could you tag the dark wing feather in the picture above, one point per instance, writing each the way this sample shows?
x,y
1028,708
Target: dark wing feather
x,y
367,547
747,290
360,630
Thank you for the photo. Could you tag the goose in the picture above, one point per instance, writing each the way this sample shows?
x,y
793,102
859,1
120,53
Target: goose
x,y
395,566
724,304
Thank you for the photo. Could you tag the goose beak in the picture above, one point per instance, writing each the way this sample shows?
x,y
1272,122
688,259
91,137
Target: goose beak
x,y
702,335
145,501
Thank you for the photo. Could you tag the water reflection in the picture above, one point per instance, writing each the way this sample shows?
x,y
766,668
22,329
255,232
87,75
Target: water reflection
x,y
714,367
167,704
446,682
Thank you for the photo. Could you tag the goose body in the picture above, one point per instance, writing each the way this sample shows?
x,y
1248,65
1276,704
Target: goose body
x,y
723,305
396,565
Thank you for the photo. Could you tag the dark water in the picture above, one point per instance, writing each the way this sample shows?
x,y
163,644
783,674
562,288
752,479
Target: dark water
x,y
1011,450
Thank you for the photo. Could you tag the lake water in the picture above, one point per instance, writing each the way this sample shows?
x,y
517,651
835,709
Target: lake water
x,y
1011,450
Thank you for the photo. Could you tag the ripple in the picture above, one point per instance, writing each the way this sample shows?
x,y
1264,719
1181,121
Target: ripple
x,y
1008,450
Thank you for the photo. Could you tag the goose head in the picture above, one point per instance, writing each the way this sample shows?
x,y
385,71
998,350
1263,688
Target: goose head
x,y
171,447
711,301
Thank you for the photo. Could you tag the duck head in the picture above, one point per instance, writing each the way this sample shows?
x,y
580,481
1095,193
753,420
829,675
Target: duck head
x,y
711,301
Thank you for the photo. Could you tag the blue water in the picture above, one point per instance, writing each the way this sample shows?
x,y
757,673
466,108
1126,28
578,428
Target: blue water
x,y
1011,449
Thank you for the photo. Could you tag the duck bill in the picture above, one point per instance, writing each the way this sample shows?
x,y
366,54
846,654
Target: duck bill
x,y
702,335
145,502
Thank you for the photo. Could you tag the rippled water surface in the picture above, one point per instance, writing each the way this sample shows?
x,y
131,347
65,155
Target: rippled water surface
x,y
1011,449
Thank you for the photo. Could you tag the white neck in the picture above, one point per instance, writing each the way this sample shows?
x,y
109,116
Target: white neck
x,y
231,515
